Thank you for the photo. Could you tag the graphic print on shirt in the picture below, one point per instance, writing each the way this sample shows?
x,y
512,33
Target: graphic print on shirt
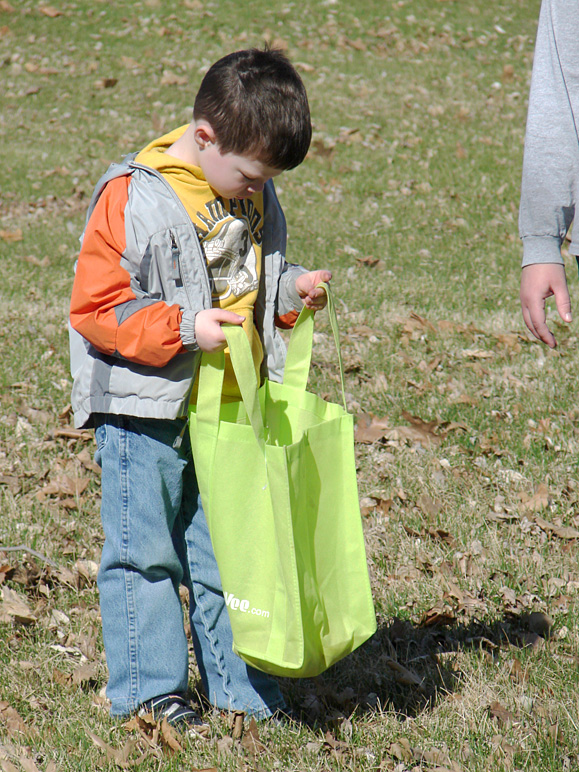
x,y
233,232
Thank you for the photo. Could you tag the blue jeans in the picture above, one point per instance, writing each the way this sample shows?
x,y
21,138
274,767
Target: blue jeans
x,y
156,538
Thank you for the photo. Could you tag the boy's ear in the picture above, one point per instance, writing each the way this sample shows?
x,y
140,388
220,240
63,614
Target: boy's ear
x,y
204,135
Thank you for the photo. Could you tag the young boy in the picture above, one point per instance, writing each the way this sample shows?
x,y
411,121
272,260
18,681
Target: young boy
x,y
181,238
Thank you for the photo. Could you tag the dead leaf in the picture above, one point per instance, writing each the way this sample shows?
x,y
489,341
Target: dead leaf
x,y
437,757
440,614
509,596
322,149
477,353
87,461
15,606
225,744
170,736
116,755
12,482
63,486
170,78
336,747
371,504
442,535
562,532
32,260
11,236
358,44
129,63
6,571
237,725
106,83
420,431
75,434
12,720
416,322
508,72
28,765
370,261
60,678
5,7
402,674
85,674
431,507
7,766
87,571
540,499
50,11
503,716
370,429
251,741
205,769
517,672
401,750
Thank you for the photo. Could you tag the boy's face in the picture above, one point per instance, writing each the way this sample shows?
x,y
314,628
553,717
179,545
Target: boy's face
x,y
232,175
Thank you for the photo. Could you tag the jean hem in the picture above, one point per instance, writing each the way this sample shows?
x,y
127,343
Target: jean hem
x,y
123,710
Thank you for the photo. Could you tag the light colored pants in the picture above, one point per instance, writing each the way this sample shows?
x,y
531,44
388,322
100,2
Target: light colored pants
x,y
156,538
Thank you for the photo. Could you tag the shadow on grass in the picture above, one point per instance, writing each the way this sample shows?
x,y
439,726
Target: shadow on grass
x,y
405,667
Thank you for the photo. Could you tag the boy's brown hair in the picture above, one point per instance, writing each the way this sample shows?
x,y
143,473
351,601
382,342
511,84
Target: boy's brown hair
x,y
256,103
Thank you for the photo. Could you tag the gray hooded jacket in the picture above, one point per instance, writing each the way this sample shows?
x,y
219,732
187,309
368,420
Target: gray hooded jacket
x,y
551,160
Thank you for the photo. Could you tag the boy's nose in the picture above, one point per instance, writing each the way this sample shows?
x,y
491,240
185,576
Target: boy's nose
x,y
256,187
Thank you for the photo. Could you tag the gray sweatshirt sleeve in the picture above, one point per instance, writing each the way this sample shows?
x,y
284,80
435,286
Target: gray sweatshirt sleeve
x,y
551,158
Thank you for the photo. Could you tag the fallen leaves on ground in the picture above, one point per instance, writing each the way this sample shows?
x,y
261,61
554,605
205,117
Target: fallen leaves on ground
x,y
371,428
121,756
13,722
14,607
560,531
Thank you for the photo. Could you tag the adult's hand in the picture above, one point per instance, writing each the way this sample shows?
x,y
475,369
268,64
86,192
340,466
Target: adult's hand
x,y
539,282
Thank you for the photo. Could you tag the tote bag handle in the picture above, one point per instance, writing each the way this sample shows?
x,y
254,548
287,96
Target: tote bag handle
x,y
295,374
299,354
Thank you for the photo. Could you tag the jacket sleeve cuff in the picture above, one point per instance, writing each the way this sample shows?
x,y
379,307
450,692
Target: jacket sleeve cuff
x,y
541,249
187,330
288,299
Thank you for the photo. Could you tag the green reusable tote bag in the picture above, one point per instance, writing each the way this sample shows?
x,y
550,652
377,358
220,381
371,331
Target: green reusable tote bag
x,y
277,478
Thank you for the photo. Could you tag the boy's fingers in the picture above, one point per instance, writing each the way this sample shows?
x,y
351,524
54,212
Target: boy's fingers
x,y
228,317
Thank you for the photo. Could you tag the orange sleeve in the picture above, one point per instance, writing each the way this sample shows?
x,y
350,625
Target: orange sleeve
x,y
287,321
104,308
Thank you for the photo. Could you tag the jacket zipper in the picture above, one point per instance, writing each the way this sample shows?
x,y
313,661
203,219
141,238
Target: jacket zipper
x,y
175,269
180,205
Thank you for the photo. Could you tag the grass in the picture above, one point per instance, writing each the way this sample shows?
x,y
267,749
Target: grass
x,y
410,196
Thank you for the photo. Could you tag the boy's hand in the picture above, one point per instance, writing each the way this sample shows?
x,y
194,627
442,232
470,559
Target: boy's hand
x,y
313,296
539,282
210,337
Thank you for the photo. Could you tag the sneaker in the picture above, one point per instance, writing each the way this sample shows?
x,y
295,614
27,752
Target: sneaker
x,y
177,711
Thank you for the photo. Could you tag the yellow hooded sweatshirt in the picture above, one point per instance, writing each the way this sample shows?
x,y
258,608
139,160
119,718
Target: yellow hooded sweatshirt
x,y
230,234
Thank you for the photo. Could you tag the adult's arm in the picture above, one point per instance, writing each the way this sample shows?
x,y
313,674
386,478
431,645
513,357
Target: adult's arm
x,y
551,157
